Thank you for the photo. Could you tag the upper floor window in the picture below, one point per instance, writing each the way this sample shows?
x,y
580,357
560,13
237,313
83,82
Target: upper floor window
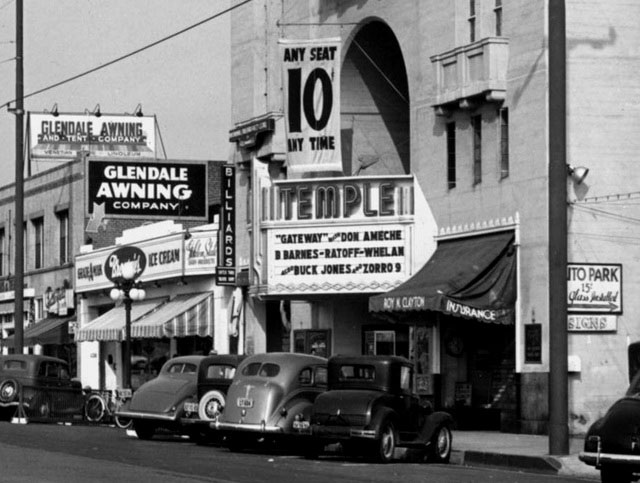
x,y
64,236
476,124
451,155
38,233
472,20
504,143
498,12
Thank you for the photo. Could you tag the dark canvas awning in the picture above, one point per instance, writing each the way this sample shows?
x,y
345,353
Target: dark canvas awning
x,y
472,277
53,330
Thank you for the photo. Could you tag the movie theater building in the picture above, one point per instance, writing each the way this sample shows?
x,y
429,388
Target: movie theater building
x,y
341,108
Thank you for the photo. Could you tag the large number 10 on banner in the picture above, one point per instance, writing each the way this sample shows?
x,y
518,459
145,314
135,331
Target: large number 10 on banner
x,y
311,91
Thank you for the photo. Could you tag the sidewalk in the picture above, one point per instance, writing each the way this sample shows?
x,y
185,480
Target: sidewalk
x,y
518,451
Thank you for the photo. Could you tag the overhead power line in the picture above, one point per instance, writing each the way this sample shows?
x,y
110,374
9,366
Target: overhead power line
x,y
130,54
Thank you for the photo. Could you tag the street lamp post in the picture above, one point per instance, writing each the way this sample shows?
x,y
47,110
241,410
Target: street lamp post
x,y
127,290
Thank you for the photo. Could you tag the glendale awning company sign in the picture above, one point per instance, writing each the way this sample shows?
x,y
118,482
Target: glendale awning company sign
x,y
69,135
147,189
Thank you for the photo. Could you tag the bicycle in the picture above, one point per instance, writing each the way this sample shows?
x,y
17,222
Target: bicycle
x,y
102,406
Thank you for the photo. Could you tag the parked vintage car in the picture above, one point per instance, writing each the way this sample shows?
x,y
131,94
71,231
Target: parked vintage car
x,y
213,380
612,443
159,402
268,392
370,407
45,386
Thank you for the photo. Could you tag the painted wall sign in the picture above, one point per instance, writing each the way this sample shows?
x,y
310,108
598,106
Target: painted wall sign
x,y
69,135
141,189
201,252
594,288
592,323
226,271
311,90
117,260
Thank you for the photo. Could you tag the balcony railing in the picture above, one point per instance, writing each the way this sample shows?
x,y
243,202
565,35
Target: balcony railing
x,y
472,72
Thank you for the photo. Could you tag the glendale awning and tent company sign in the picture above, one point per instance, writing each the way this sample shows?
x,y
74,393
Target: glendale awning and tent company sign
x,y
471,277
138,189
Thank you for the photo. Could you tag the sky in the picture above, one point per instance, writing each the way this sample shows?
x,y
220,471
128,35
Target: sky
x,y
184,81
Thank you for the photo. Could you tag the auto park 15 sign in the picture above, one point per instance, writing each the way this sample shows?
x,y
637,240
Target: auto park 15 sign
x,y
594,288
166,189
311,90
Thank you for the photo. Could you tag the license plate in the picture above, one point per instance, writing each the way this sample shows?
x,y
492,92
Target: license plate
x,y
191,407
301,425
245,402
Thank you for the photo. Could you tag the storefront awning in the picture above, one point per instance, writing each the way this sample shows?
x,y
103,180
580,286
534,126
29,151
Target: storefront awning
x,y
185,315
471,277
110,325
53,330
10,307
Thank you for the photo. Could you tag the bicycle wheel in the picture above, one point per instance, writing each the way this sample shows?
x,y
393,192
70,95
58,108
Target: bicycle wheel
x,y
94,408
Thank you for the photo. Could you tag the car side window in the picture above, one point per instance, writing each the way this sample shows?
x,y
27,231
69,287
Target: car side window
x,y
305,376
216,371
269,370
363,372
251,369
175,369
52,370
64,373
321,376
189,368
405,379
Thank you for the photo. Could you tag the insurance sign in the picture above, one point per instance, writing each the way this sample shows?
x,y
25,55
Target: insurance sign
x,y
594,288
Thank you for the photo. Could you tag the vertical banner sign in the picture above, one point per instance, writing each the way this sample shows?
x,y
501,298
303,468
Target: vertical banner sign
x,y
226,270
311,90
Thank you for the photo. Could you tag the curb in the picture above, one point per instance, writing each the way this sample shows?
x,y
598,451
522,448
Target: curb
x,y
537,464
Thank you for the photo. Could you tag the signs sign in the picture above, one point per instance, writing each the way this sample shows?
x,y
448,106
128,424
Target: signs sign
x,y
69,135
594,288
311,77
592,323
226,272
147,189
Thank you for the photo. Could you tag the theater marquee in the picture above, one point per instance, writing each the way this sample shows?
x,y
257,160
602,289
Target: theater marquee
x,y
131,189
339,235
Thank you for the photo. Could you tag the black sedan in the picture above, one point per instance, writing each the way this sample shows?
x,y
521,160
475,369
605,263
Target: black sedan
x,y
612,443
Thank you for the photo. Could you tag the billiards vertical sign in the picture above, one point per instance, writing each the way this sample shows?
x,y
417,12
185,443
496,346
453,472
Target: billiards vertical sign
x,y
311,94
226,271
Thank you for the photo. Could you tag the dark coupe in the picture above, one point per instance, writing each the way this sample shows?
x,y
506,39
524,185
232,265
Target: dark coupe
x,y
370,408
612,443
45,386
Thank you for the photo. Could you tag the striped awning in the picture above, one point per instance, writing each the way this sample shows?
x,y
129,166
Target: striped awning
x,y
185,315
110,325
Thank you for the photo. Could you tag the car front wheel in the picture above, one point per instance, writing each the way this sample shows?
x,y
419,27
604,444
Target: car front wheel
x,y
440,446
386,444
615,474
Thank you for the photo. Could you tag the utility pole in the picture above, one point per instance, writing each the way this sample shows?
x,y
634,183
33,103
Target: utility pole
x,y
19,191
558,337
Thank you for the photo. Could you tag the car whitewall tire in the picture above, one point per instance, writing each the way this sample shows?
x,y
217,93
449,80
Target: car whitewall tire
x,y
211,405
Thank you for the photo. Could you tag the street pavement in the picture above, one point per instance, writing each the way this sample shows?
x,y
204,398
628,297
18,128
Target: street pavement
x,y
518,451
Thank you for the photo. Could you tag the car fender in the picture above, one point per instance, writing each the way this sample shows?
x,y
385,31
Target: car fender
x,y
381,415
294,407
434,421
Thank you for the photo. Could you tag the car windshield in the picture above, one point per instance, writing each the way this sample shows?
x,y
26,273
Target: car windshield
x,y
357,372
218,371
